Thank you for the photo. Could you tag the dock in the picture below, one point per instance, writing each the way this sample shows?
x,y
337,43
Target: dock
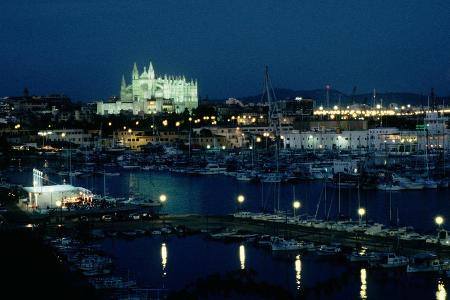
x,y
200,223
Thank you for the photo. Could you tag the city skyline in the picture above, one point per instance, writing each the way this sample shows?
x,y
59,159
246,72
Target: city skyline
x,y
82,49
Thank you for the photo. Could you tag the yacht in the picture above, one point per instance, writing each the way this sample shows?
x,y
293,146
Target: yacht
x,y
363,256
391,260
213,169
332,249
286,245
427,262
389,187
271,178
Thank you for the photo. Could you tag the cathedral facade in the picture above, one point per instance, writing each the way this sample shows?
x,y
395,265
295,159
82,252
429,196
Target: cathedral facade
x,y
149,94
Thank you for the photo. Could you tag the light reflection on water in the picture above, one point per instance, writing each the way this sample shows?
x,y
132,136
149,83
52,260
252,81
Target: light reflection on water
x,y
242,256
164,259
298,272
441,293
363,291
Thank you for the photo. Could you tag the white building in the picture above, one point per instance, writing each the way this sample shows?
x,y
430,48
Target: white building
x,y
326,140
42,197
148,93
433,134
75,136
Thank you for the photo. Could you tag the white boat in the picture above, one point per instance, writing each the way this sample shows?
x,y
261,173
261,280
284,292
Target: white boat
x,y
271,178
243,214
406,183
112,282
286,245
442,238
427,262
362,256
131,167
394,261
244,177
213,169
333,249
112,174
389,187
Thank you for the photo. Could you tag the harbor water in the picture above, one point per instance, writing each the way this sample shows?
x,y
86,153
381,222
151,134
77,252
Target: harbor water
x,y
175,263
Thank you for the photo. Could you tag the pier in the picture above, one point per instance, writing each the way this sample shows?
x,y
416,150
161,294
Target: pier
x,y
245,227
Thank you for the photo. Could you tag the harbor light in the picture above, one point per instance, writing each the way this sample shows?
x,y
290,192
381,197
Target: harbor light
x,y
296,204
162,198
439,220
361,211
241,199
58,203
258,139
137,123
109,123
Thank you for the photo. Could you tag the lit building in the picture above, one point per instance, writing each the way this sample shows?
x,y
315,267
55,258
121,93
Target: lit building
x,y
42,197
148,94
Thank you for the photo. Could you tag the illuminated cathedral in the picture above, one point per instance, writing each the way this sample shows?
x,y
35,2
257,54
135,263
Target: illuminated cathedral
x,y
149,94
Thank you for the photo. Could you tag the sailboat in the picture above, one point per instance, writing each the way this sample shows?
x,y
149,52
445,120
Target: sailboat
x,y
427,182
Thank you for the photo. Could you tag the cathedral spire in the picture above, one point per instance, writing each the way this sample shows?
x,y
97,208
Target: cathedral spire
x,y
151,71
124,84
135,72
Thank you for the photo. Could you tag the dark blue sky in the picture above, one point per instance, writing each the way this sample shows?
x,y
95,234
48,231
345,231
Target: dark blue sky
x,y
82,47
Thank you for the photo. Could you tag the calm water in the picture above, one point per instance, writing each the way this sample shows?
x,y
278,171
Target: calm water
x,y
217,195
187,259
175,262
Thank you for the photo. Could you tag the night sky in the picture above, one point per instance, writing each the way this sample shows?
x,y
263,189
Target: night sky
x,y
81,47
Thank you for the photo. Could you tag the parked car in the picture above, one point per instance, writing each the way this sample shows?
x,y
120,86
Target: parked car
x,y
106,218
134,216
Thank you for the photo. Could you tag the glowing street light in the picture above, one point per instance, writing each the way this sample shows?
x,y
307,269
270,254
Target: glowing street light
x,y
439,220
58,203
240,200
162,198
296,205
361,213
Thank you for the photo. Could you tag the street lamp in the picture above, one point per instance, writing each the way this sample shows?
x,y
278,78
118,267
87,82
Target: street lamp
x,y
240,200
163,199
296,204
361,213
59,204
439,220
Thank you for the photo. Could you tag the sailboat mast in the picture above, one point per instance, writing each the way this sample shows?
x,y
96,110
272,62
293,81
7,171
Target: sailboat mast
x,y
339,194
